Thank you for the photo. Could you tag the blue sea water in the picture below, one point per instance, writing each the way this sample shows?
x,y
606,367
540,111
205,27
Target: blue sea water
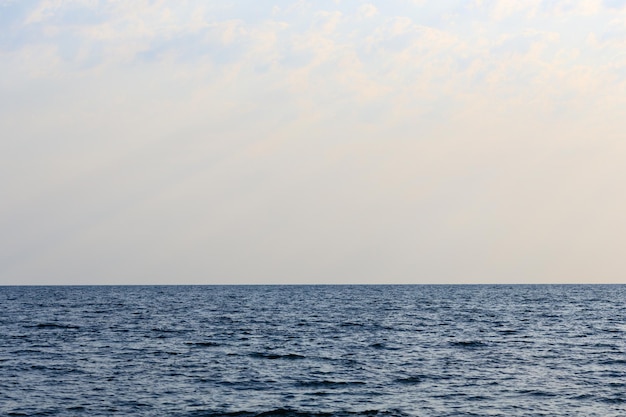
x,y
295,351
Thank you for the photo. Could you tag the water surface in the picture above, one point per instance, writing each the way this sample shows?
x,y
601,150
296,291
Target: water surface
x,y
313,350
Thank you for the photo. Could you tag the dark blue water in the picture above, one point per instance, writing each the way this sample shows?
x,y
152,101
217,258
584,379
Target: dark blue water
x,y
309,350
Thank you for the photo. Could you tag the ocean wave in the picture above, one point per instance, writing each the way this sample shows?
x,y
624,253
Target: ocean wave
x,y
55,326
274,356
329,384
287,412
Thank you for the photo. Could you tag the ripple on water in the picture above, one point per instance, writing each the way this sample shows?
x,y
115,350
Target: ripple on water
x,y
298,351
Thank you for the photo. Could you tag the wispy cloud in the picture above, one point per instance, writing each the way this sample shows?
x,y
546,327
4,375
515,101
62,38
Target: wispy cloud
x,y
324,141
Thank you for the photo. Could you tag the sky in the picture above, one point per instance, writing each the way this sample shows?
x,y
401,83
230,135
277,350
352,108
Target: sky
x,y
312,142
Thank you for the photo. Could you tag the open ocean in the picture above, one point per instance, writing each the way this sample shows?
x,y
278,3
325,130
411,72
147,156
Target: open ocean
x,y
294,351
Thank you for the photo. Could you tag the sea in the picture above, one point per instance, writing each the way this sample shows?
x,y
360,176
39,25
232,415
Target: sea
x,y
296,351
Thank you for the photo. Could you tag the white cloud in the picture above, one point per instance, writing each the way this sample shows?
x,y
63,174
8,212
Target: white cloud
x,y
296,144
327,22
506,8
367,10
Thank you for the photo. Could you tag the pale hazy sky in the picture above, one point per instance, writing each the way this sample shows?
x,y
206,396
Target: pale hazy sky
x,y
346,141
